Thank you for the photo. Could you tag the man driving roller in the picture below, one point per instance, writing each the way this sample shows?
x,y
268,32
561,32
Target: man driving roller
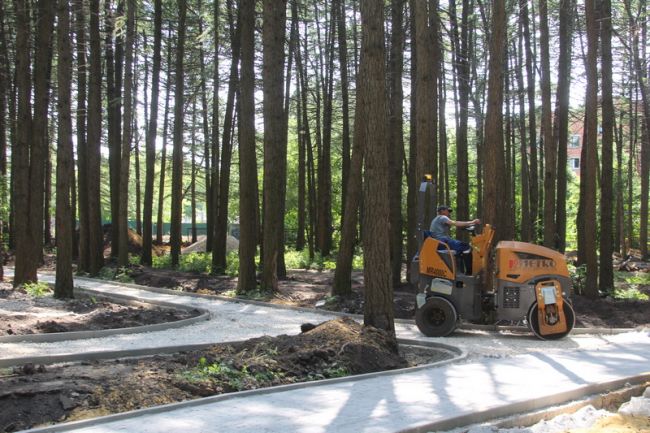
x,y
440,227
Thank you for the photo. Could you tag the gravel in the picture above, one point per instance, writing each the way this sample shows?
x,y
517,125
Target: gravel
x,y
237,320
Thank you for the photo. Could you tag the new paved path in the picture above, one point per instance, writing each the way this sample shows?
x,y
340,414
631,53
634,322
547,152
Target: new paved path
x,y
504,374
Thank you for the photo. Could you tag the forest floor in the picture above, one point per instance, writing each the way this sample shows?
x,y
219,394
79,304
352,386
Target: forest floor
x,y
311,289
43,394
33,395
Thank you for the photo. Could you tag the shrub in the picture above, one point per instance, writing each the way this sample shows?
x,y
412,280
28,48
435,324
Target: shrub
x,y
37,290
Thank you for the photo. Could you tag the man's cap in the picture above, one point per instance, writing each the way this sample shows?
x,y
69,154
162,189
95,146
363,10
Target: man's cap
x,y
444,207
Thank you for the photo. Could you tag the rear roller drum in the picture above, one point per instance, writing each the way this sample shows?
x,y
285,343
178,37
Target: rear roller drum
x,y
533,321
436,318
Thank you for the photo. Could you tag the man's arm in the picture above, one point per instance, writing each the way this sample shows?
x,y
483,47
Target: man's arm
x,y
464,223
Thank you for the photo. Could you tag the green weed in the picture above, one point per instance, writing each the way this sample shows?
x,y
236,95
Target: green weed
x,y
631,293
37,290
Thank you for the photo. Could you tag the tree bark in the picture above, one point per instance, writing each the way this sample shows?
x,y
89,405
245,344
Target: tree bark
x,y
127,136
63,287
550,147
93,153
561,124
150,146
247,156
589,174
221,223
378,306
530,233
83,264
177,156
114,64
396,147
606,247
275,139
494,187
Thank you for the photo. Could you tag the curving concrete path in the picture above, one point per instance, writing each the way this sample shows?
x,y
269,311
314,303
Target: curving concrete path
x,y
502,374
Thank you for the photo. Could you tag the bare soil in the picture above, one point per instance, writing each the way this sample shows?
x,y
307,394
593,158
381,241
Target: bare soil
x,y
22,314
34,395
311,289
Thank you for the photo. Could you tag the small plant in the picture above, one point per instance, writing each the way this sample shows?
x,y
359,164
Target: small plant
x,y
232,264
631,293
162,262
195,262
37,290
578,276
123,275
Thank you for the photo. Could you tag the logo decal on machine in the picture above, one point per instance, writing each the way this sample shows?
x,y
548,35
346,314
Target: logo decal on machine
x,y
530,263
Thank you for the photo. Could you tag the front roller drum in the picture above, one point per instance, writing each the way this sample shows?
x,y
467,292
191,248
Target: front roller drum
x,y
437,317
533,322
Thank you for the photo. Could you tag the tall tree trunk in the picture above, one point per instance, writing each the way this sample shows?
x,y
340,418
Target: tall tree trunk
x,y
93,153
462,70
324,203
221,223
396,147
114,63
642,78
412,179
494,187
25,271
378,306
606,270
275,139
532,124
193,171
589,174
425,84
150,146
83,264
5,91
163,158
550,148
177,157
127,136
561,124
34,139
215,182
247,157
525,232
64,159
345,98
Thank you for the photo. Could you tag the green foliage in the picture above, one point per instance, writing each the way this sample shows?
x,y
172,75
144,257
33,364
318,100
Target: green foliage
x,y
121,274
330,373
578,276
192,262
37,289
232,264
195,262
230,376
630,293
161,262
629,286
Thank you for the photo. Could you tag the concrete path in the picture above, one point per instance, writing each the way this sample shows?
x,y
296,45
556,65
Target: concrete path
x,y
504,374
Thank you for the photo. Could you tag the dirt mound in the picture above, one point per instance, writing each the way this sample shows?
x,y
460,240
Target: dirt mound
x,y
135,242
36,395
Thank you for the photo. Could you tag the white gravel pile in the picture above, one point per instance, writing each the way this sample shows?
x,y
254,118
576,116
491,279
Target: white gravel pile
x,y
232,244
584,418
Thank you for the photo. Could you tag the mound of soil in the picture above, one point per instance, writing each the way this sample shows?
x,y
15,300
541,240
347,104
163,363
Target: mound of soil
x,y
36,395
22,314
